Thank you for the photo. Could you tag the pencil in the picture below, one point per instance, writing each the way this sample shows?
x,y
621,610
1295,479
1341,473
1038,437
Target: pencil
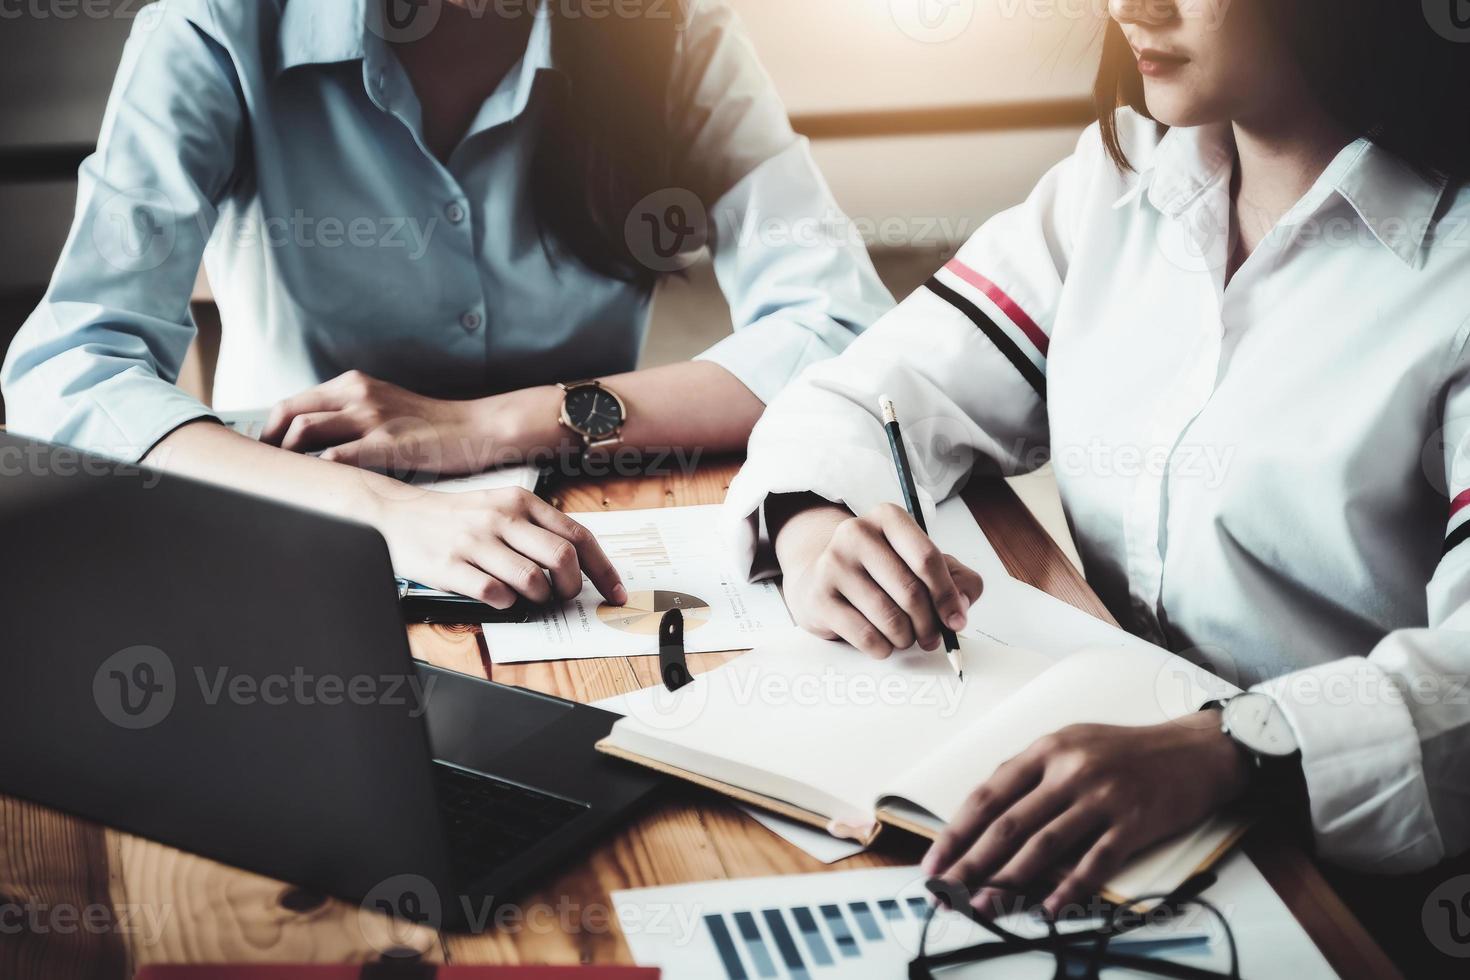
x,y
911,501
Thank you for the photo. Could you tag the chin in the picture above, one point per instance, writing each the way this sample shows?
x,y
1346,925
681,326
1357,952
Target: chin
x,y
1173,105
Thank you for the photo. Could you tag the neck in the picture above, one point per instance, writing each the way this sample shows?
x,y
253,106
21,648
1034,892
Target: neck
x,y
1279,156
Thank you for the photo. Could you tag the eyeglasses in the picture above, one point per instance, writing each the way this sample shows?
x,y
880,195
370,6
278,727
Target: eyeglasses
x,y
1136,937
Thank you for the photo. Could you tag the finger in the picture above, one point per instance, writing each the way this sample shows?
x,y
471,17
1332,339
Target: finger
x,y
989,800
590,556
923,557
1099,864
874,604
317,430
1006,835
320,399
1052,844
853,627
551,551
903,588
966,579
347,453
471,582
499,560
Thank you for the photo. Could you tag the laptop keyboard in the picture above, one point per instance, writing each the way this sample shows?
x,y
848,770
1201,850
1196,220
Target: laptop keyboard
x,y
489,821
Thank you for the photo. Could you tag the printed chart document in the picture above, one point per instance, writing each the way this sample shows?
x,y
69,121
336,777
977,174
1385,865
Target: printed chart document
x,y
669,558
862,924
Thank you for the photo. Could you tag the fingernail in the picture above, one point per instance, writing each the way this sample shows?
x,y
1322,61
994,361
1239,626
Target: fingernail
x,y
929,644
620,594
957,620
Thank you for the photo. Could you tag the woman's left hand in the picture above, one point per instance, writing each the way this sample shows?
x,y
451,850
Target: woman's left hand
x,y
361,421
1099,791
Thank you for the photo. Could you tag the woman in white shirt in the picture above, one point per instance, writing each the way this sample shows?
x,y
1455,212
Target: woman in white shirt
x,y
1239,332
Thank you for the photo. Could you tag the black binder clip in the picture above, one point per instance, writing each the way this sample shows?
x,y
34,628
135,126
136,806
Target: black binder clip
x,y
673,666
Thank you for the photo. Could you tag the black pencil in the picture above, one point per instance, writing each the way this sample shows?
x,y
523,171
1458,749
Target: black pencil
x,y
911,501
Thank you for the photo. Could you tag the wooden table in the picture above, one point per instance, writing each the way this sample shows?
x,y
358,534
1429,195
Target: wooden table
x,y
99,903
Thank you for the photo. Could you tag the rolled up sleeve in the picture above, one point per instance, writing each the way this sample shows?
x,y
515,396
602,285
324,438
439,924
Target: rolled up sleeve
x,y
95,365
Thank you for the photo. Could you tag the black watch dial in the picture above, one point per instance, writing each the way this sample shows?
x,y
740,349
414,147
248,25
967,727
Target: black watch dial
x,y
594,412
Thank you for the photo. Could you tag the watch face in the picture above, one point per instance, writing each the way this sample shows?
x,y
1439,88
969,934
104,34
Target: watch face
x,y
593,411
1258,723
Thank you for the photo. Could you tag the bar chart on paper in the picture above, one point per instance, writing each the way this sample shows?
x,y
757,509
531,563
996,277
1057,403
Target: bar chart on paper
x,y
847,924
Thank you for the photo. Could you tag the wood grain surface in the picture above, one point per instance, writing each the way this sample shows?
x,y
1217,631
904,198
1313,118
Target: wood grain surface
x,y
95,903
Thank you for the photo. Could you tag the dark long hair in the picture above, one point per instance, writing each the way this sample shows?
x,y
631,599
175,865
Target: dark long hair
x,y
605,140
1381,68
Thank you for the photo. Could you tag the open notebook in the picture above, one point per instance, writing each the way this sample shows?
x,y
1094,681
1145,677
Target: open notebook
x,y
815,731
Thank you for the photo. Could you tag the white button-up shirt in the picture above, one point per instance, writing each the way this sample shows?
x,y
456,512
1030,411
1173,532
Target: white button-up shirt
x,y
1258,474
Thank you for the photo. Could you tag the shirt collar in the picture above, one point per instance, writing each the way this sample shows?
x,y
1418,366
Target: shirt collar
x,y
321,32
1395,202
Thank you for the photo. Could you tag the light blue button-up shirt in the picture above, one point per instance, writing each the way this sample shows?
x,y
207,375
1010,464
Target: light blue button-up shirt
x,y
280,141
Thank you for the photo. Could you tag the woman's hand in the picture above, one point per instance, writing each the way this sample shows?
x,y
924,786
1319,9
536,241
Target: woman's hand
x,y
494,546
873,581
364,422
1096,791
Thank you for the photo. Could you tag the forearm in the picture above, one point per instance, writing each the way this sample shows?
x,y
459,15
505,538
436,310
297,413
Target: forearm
x,y
208,451
692,405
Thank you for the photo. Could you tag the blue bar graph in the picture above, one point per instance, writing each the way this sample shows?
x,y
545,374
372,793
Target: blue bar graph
x,y
890,908
918,906
866,923
755,944
790,955
841,934
811,934
734,969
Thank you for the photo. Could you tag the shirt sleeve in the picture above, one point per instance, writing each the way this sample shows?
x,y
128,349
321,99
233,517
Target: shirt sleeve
x,y
1385,739
963,358
794,269
95,364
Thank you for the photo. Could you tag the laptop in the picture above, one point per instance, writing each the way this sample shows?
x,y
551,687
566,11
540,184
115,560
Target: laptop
x,y
231,676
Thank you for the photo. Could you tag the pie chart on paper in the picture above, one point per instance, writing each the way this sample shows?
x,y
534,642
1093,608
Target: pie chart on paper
x,y
645,610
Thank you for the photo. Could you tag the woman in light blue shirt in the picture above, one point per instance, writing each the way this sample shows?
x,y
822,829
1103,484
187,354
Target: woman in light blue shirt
x,y
417,219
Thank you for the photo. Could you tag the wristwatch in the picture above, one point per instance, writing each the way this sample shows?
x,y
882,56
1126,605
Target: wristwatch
x,y
1260,730
593,412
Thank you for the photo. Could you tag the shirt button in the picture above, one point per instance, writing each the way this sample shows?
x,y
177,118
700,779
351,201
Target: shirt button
x,y
471,321
454,212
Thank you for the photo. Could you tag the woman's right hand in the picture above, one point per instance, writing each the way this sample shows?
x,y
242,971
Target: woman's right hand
x,y
874,581
494,546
